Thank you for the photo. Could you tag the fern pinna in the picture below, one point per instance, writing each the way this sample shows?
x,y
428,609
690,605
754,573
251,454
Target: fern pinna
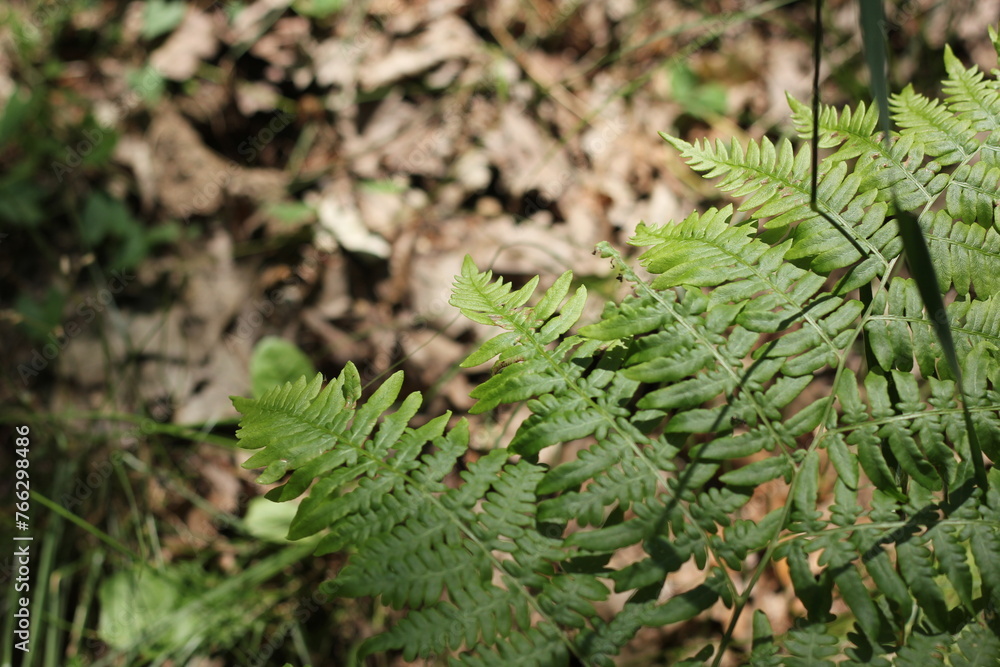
x,y
689,395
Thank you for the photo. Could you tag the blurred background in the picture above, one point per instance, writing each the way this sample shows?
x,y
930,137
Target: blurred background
x,y
199,200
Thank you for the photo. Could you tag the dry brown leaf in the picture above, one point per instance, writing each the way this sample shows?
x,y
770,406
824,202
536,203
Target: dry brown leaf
x,y
446,38
256,96
525,157
281,44
390,119
192,42
334,300
135,153
254,21
227,374
341,223
193,180
384,211
336,63
430,354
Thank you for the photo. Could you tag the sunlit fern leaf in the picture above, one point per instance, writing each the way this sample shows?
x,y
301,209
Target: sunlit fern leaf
x,y
966,256
947,138
971,95
971,194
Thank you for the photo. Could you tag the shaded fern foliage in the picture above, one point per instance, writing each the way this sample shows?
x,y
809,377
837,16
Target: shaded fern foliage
x,y
771,344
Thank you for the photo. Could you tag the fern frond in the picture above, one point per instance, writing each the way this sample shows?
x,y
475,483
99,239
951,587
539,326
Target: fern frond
x,y
966,256
898,173
922,648
381,492
971,193
903,332
530,330
847,228
810,646
850,129
765,651
731,372
946,137
971,95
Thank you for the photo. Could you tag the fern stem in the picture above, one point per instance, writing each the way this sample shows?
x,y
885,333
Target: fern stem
x,y
743,598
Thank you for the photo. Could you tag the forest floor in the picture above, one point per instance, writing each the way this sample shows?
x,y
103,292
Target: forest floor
x,y
179,180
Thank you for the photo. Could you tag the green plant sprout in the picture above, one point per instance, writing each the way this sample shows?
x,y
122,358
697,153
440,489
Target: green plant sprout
x,y
776,342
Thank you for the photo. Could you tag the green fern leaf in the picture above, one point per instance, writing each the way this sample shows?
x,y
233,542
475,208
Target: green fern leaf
x,y
765,651
976,646
971,95
946,137
810,646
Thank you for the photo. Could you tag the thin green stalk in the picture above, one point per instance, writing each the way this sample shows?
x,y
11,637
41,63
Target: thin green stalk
x,y
87,526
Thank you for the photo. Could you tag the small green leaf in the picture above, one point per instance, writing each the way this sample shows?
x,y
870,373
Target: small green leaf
x,y
490,349
161,17
548,304
269,521
276,361
806,485
729,447
132,604
759,472
317,9
682,607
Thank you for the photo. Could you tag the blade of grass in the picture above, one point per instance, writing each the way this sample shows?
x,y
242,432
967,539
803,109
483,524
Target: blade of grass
x,y
46,587
872,19
89,527
147,425
915,251
83,605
